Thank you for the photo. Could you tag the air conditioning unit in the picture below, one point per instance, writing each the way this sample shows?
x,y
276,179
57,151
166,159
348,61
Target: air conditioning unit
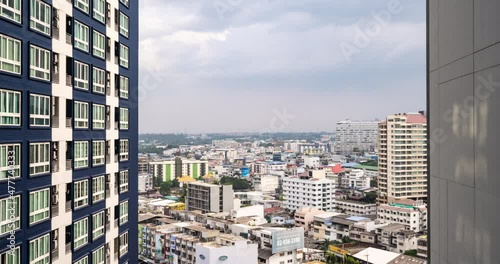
x,y
55,244
55,199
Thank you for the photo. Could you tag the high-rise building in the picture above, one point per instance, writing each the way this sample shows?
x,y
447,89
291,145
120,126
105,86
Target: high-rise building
x,y
402,162
209,198
68,131
168,170
351,135
464,105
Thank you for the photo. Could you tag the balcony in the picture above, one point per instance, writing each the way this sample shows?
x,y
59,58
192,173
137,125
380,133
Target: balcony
x,y
55,121
69,79
117,222
108,226
69,122
55,210
69,164
68,206
68,248
68,38
55,166
55,76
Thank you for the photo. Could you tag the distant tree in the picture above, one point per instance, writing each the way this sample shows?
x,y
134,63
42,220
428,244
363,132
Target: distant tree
x,y
370,197
175,183
184,193
373,183
165,188
411,252
157,181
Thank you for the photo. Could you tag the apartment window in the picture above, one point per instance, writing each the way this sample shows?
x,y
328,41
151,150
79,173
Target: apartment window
x,y
39,63
81,35
10,216
39,206
123,212
81,154
81,194
123,149
97,225
39,110
99,45
123,181
124,87
10,161
99,10
82,5
10,54
10,108
98,151
124,56
123,118
123,243
98,80
80,233
97,189
39,158
40,16
98,116
39,250
81,115
98,256
84,260
81,75
11,10
125,2
124,24
11,256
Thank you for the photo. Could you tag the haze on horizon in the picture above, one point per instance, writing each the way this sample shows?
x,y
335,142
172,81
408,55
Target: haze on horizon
x,y
277,65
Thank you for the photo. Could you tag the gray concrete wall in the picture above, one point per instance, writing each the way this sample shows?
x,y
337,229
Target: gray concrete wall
x,y
464,127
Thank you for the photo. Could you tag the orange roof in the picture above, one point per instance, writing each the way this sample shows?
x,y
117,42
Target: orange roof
x,y
186,178
337,168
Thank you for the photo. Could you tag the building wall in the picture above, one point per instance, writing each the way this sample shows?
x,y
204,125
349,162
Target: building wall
x,y
464,104
308,193
242,254
355,134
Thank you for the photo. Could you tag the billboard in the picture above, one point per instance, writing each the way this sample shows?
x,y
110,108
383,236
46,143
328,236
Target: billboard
x,y
245,171
287,240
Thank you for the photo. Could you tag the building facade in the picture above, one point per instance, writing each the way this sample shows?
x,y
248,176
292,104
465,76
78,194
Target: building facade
x,y
314,193
414,217
463,101
69,127
402,158
168,170
351,135
209,197
351,207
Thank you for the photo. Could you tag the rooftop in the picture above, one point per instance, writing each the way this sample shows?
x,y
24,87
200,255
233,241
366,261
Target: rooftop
x,y
376,256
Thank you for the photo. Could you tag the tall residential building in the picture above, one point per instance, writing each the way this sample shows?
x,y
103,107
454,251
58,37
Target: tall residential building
x,y
313,193
68,131
402,144
464,105
209,197
170,169
351,135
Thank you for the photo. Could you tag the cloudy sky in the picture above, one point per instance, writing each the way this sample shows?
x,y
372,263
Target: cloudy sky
x,y
278,65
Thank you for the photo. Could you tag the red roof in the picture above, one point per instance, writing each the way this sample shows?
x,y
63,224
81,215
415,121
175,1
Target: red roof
x,y
416,119
337,168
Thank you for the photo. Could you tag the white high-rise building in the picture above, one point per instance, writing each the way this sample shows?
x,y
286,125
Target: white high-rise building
x,y
402,157
355,134
314,193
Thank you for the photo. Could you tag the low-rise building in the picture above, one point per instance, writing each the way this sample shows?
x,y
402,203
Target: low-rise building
x,y
422,247
145,182
411,213
387,235
352,207
335,226
304,217
314,193
227,248
209,197
274,253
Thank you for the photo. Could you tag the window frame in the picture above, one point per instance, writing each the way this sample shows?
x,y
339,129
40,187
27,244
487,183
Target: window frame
x,y
123,181
80,193
6,168
36,7
81,34
96,13
98,230
18,14
99,83
80,159
98,194
100,252
81,75
83,260
98,38
124,118
80,236
125,2
5,224
81,114
124,24
12,115
40,63
16,61
124,149
38,258
38,112
98,110
98,157
41,159
38,207
124,87
9,256
123,214
82,5
123,243
124,59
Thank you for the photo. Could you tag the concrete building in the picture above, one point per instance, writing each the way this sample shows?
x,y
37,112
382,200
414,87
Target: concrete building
x,y
168,170
335,226
402,158
228,248
355,208
414,216
311,161
264,237
209,197
464,105
355,179
350,135
314,193
267,184
68,131
145,182
314,148
304,217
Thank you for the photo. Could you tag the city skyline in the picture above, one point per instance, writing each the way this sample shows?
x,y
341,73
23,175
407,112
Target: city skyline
x,y
243,63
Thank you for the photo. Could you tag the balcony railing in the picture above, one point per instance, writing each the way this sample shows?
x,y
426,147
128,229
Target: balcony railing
x,y
68,206
55,121
55,76
69,164
55,210
55,254
68,248
69,122
55,166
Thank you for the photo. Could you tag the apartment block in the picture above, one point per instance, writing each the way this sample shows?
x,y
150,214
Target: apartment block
x,y
168,170
355,208
402,164
351,135
209,197
304,217
314,193
68,131
412,214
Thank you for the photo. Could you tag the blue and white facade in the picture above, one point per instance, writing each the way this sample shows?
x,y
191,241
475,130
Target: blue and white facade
x,y
68,131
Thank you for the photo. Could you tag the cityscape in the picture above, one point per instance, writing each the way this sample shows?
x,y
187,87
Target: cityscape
x,y
262,132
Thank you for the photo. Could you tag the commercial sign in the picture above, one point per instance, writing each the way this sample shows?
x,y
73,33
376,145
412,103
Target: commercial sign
x,y
245,172
287,240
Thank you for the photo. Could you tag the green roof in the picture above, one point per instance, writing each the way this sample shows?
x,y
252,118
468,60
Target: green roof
x,y
372,168
402,205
